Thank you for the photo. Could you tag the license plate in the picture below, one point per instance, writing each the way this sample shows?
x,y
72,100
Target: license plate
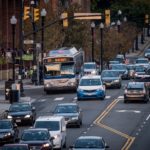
x,y
18,120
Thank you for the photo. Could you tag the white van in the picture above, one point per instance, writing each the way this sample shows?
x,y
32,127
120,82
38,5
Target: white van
x,y
56,126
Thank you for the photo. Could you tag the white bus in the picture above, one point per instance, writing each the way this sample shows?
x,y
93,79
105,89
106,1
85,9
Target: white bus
x,y
62,68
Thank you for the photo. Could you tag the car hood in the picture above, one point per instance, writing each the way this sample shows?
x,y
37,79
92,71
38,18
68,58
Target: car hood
x,y
33,142
19,113
5,131
110,78
89,87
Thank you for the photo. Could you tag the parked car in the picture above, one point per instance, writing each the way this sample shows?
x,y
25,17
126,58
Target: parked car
x,y
57,128
122,69
91,87
136,91
89,143
8,131
71,112
22,112
16,146
37,139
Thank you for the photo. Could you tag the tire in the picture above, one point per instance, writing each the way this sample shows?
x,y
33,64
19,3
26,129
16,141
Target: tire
x,y
79,99
65,145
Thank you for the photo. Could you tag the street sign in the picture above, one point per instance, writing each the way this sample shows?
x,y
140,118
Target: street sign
x,y
87,16
28,41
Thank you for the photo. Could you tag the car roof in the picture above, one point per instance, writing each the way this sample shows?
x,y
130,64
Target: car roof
x,y
36,129
49,118
89,62
142,58
90,137
64,104
91,77
134,83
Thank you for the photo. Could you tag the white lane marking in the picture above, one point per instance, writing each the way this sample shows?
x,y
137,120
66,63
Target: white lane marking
x,y
75,98
135,111
107,97
59,99
148,117
120,97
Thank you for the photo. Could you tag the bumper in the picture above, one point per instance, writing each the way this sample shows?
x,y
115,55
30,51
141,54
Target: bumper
x,y
72,122
6,139
22,120
139,97
60,88
91,95
112,84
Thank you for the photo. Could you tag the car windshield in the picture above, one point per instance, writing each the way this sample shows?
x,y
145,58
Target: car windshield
x,y
140,61
17,147
140,69
147,51
119,67
50,125
19,107
89,66
135,86
110,74
89,143
66,109
5,125
35,135
90,82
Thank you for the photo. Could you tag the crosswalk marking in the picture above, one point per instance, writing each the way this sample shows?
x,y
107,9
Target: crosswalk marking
x,y
59,99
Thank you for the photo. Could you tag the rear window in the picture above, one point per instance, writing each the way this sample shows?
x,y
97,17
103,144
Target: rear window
x,y
135,86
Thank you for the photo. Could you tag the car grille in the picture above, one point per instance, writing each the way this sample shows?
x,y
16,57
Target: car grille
x,y
89,91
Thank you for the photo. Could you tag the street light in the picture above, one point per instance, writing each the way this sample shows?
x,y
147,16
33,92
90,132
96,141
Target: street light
x,y
101,50
43,14
92,30
13,22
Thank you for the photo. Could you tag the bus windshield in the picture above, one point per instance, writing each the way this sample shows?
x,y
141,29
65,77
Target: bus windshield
x,y
59,69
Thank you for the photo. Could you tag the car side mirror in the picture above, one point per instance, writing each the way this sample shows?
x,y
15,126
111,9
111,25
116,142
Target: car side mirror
x,y
52,138
106,146
6,111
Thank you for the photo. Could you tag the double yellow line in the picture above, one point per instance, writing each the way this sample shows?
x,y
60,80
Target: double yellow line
x,y
98,122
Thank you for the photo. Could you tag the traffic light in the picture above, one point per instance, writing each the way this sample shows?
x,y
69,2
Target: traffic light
x,y
64,16
26,13
36,14
146,18
107,17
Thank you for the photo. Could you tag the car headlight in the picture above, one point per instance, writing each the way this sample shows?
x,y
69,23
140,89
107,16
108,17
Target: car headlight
x,y
47,85
79,90
46,145
8,134
116,80
56,136
9,117
27,116
93,72
74,118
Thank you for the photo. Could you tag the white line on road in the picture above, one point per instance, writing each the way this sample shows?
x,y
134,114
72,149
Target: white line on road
x,y
120,97
148,117
42,100
135,111
107,97
59,99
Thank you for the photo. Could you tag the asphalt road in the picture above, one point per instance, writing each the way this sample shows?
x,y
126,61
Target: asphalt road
x,y
121,125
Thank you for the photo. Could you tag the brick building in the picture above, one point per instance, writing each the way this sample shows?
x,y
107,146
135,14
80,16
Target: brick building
x,y
13,7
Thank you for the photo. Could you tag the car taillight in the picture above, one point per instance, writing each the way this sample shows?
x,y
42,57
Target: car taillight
x,y
125,91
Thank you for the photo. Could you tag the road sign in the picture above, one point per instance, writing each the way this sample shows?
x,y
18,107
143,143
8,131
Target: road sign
x,y
28,41
87,16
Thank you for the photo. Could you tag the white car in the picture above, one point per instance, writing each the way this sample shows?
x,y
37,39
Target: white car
x,y
89,68
57,128
91,87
